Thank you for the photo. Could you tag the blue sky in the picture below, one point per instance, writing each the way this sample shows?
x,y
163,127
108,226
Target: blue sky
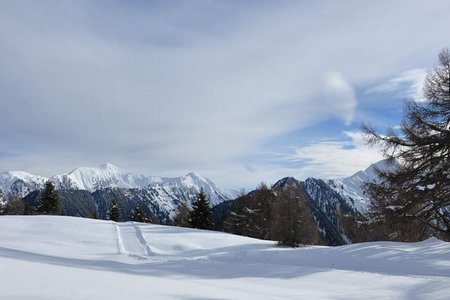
x,y
239,91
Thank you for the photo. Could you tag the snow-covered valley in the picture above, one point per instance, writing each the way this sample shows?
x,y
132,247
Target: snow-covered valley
x,y
49,257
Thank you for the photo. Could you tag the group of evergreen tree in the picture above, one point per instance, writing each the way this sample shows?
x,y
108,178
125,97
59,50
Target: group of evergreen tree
x,y
280,215
200,216
293,223
114,213
14,205
138,214
48,203
252,213
182,217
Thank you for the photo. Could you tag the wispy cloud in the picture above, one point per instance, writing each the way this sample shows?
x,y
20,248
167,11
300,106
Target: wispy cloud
x,y
340,96
334,158
407,84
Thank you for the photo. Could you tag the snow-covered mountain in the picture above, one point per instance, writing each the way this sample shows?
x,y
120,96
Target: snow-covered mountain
x,y
326,206
160,199
19,183
351,188
331,193
103,176
339,206
107,176
192,182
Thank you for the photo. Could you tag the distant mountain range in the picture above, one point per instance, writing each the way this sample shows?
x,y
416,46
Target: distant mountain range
x,y
104,176
88,192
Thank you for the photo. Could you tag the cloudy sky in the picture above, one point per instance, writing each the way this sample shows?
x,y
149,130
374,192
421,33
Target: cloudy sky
x,y
239,91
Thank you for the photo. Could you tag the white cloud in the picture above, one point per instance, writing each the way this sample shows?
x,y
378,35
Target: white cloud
x,y
340,96
407,84
325,159
334,159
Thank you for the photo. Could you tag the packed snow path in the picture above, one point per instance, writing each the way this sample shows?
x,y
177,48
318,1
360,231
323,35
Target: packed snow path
x,y
48,257
130,240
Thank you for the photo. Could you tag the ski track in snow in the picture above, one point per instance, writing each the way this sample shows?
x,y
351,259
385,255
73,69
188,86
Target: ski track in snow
x,y
142,239
118,238
131,241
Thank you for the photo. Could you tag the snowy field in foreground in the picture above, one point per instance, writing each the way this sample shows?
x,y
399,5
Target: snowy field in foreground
x,y
73,258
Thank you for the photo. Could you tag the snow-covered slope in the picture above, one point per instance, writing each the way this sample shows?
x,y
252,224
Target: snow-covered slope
x,y
43,257
351,188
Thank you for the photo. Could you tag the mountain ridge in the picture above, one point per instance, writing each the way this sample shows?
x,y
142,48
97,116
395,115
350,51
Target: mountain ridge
x,y
335,204
88,191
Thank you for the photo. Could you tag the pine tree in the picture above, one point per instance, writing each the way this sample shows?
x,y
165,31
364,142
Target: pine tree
x,y
252,214
93,215
418,190
48,203
292,221
181,219
237,221
201,214
139,215
14,206
114,212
